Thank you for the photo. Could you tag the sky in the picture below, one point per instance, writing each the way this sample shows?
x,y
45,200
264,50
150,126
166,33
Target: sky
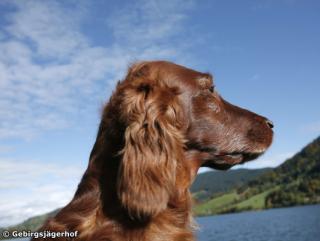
x,y
60,60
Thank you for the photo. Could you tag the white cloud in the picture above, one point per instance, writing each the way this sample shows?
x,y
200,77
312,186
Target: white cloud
x,y
46,25
145,21
49,71
31,188
45,70
6,148
16,210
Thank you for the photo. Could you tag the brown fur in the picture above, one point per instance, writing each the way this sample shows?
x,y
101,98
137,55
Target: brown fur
x,y
162,123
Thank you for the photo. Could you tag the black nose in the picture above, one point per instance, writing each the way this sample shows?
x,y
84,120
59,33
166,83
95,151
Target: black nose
x,y
269,123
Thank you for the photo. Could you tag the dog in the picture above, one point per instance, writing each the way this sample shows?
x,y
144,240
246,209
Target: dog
x,y
162,123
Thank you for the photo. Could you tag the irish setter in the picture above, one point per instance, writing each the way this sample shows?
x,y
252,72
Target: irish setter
x,y
162,123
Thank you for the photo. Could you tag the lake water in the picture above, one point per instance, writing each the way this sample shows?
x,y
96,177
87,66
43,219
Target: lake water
x,y
283,224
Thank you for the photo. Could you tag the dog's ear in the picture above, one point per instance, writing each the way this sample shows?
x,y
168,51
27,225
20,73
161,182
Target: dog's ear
x,y
153,145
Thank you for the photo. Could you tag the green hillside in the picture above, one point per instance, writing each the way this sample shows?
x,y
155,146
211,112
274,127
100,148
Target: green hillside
x,y
211,183
295,182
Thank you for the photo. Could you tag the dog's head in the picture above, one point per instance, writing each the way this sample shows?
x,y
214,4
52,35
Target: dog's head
x,y
174,121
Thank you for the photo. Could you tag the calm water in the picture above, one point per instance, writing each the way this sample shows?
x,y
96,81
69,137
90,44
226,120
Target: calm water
x,y
284,224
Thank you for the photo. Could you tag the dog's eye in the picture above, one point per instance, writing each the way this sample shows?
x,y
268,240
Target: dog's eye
x,y
212,88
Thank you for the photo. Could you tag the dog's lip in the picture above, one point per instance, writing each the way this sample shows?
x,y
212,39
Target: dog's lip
x,y
238,157
231,158
224,161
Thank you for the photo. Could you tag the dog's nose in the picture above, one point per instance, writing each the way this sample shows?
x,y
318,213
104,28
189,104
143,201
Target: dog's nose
x,y
269,123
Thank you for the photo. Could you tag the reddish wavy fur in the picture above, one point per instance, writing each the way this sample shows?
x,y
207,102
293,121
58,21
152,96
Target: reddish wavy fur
x,y
160,125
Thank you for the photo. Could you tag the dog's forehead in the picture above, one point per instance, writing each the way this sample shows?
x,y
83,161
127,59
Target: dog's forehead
x,y
190,77
196,79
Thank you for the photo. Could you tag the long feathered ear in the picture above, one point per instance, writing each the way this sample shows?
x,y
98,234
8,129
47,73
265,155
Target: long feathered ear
x,y
153,145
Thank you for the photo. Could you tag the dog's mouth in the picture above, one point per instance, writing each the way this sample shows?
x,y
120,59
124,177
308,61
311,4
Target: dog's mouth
x,y
224,161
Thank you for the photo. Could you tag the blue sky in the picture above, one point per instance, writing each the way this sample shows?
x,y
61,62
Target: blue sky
x,y
60,60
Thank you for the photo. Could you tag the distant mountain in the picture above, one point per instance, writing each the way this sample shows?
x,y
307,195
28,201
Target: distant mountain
x,y
295,182
212,183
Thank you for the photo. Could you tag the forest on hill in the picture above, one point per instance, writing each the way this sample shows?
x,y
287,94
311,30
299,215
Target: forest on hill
x,y
295,182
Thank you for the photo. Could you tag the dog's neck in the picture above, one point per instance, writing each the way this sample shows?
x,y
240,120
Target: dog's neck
x,y
96,209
